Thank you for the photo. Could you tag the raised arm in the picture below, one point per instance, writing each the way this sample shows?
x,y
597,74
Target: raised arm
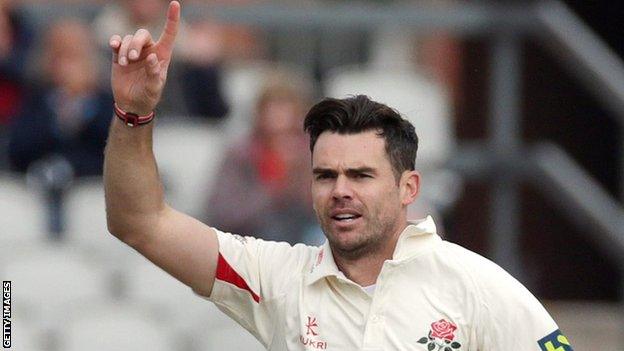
x,y
136,211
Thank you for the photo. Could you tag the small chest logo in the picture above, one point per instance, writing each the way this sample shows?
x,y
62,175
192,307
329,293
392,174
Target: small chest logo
x,y
311,325
311,331
440,337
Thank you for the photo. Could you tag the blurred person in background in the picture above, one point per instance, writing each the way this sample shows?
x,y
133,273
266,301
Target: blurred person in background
x,y
195,88
66,113
15,41
275,204
61,131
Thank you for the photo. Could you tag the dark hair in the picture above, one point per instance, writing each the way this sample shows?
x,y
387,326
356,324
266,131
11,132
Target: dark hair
x,y
358,114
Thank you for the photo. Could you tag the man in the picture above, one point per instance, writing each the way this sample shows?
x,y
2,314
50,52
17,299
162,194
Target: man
x,y
378,283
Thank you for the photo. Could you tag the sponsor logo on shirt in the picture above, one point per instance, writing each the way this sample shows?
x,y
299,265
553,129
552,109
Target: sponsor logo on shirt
x,y
319,259
240,238
311,330
554,341
311,325
440,337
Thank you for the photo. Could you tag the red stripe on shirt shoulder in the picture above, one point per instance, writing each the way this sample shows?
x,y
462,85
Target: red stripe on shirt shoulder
x,y
226,273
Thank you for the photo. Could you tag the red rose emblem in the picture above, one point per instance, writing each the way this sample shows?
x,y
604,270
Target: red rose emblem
x,y
443,330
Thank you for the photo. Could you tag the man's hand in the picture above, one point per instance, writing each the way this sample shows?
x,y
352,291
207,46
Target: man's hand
x,y
140,65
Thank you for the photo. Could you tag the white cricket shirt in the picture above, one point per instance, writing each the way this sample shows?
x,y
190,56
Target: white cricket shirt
x,y
433,295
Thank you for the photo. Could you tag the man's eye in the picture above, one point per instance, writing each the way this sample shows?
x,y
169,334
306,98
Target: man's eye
x,y
362,175
323,176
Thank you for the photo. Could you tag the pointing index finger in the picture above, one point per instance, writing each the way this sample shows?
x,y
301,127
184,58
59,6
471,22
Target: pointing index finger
x,y
171,26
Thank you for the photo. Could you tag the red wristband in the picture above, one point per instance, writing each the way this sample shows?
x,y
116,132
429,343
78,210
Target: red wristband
x,y
132,119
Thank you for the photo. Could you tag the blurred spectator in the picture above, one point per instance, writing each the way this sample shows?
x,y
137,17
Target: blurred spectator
x,y
15,40
434,54
239,42
262,179
66,115
194,84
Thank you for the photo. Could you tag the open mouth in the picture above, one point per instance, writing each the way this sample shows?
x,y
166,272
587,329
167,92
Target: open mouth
x,y
346,218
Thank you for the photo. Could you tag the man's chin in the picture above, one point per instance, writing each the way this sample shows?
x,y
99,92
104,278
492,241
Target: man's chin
x,y
347,244
344,237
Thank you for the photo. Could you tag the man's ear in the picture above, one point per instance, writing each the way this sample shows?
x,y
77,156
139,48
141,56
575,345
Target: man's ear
x,y
410,187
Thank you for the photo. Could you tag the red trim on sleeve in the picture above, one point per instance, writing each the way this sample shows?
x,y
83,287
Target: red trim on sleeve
x,y
226,273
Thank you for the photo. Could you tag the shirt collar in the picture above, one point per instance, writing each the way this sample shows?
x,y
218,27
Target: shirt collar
x,y
417,237
324,265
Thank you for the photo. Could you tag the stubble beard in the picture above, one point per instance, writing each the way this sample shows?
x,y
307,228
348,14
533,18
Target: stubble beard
x,y
375,234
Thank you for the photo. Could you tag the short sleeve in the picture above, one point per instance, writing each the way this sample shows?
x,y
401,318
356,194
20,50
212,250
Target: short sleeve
x,y
511,317
252,275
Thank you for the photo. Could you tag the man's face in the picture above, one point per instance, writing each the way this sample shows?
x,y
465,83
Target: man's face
x,y
280,125
355,193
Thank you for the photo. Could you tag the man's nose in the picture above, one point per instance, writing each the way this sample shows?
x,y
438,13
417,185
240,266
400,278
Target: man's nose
x,y
342,188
